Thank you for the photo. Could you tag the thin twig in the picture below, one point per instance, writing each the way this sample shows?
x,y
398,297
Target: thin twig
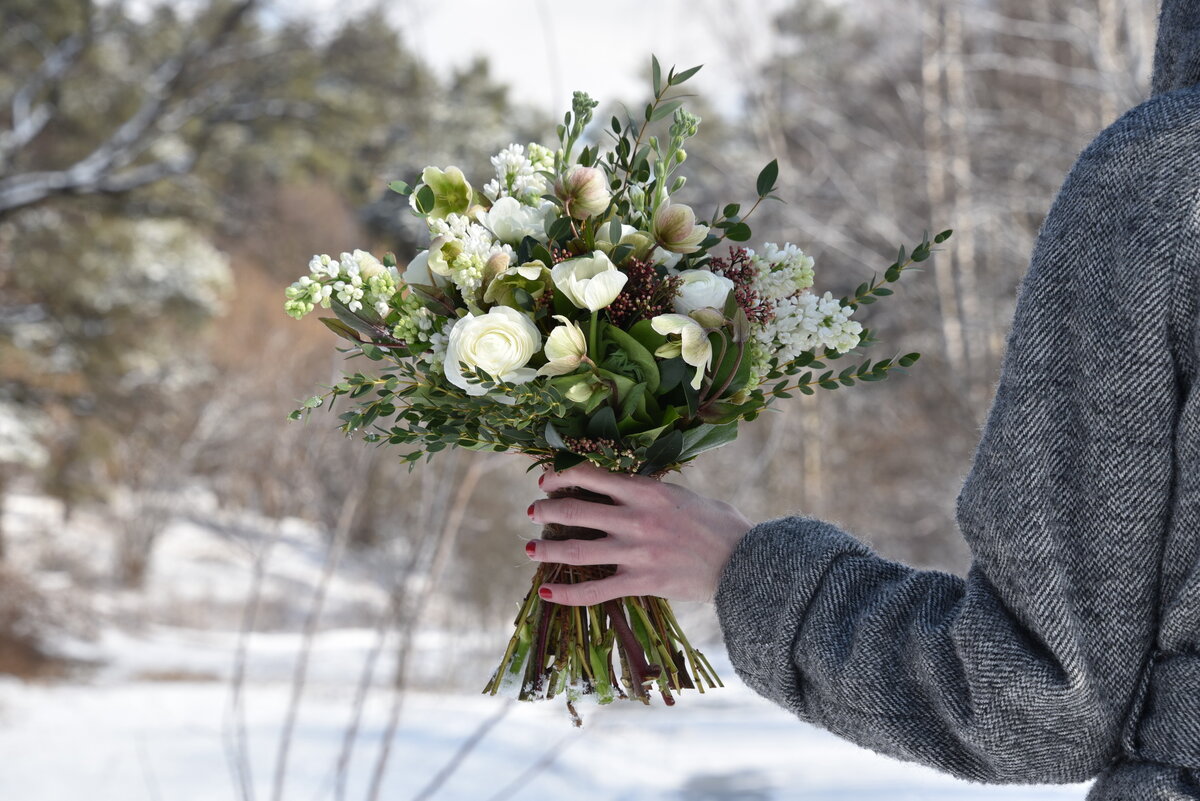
x,y
464,750
300,675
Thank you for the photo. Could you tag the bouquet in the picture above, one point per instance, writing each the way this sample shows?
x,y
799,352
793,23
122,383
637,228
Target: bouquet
x,y
571,309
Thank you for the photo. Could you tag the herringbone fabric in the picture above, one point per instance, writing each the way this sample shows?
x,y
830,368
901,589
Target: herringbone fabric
x,y
1072,647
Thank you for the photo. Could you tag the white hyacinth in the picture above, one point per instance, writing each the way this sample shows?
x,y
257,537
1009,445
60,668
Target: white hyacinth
x,y
805,322
517,174
472,246
782,272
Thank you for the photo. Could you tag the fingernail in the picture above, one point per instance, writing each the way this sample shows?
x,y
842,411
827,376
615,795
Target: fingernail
x,y
529,511
545,593
541,479
530,548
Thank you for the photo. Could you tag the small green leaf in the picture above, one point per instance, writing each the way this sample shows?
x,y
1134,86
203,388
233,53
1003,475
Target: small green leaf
x,y
313,402
425,200
943,236
732,209
656,75
399,187
767,178
676,80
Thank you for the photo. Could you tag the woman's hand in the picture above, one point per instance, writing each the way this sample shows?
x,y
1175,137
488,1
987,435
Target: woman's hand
x,y
665,540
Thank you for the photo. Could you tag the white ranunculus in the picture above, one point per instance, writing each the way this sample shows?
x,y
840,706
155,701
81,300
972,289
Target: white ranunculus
x,y
511,220
693,342
417,271
702,289
566,348
590,282
500,343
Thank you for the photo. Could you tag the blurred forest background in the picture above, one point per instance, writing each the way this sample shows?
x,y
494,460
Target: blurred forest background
x,y
166,171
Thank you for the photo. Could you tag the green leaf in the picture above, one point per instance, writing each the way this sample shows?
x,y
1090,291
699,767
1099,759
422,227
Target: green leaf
x,y
553,438
943,236
399,187
683,76
559,229
739,232
706,437
425,200
313,402
665,451
565,460
616,125
665,110
732,209
637,353
883,291
671,374
767,178
604,424
656,75
908,359
341,329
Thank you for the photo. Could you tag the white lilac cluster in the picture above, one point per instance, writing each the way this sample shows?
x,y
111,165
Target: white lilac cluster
x,y
356,279
517,174
782,271
804,322
461,249
415,322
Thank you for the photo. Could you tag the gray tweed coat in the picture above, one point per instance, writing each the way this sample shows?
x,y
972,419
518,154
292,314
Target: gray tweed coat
x,y
1072,648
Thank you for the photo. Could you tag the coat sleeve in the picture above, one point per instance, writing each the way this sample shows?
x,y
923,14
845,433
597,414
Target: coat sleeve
x,y
1025,670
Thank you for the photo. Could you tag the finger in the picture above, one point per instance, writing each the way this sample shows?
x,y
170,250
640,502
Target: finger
x,y
583,514
588,476
590,593
577,552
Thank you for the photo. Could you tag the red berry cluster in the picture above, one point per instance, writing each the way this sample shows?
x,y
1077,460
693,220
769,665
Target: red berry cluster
x,y
646,294
739,269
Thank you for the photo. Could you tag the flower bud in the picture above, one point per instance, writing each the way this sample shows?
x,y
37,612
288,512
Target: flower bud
x,y
583,191
675,228
680,156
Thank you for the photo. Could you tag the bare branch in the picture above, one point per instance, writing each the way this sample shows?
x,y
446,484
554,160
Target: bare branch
x,y
166,95
28,120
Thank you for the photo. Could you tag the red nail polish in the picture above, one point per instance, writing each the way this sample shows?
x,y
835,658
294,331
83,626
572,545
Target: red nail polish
x,y
529,511
545,593
541,479
530,547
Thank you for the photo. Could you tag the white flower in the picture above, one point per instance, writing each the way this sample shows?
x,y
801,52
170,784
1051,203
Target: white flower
x,y
666,258
590,282
566,348
675,228
805,322
500,343
702,289
511,221
417,271
782,272
583,191
518,175
693,345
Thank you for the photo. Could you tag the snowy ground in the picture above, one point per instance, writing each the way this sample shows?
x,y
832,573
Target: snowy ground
x,y
155,722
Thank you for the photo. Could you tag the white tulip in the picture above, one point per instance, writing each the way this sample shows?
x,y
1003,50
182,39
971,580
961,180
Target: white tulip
x,y
500,343
590,282
702,289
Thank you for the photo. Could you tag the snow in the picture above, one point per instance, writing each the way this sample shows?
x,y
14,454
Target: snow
x,y
156,719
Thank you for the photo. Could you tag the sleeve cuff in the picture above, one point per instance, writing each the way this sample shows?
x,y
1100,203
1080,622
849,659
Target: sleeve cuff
x,y
763,593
